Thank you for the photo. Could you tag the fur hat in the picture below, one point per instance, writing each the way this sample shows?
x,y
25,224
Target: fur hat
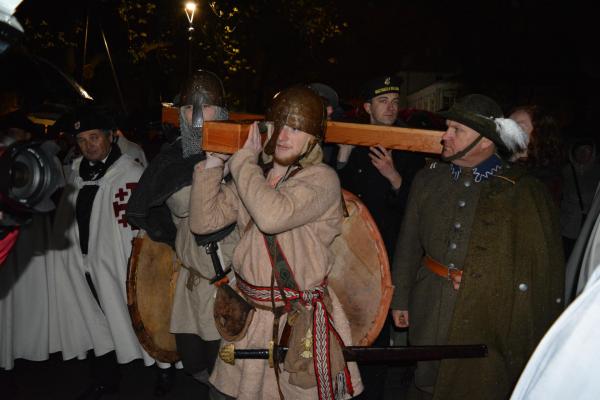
x,y
485,116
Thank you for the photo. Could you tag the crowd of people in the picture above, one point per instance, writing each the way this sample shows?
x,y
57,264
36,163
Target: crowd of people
x,y
474,237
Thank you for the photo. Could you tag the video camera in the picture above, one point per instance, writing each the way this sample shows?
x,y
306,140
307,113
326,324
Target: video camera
x,y
30,173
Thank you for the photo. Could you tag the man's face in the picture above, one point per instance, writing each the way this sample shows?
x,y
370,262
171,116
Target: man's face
x,y
329,112
383,109
94,144
290,145
523,119
209,113
457,137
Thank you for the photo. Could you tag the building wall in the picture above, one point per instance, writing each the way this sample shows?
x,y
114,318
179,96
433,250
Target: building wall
x,y
435,97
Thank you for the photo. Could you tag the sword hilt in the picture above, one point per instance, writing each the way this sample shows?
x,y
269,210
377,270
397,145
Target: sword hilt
x,y
228,353
220,277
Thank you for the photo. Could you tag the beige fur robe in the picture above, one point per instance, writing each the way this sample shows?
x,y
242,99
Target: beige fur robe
x,y
305,213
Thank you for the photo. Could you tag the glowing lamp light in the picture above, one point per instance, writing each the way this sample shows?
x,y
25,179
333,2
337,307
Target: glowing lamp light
x,y
190,9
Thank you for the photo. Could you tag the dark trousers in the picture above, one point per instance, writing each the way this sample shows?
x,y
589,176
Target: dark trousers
x,y
196,354
105,369
374,375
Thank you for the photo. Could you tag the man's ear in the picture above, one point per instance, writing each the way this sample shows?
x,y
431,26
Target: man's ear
x,y
367,107
486,143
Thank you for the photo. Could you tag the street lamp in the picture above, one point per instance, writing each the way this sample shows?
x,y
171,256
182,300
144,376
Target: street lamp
x,y
190,10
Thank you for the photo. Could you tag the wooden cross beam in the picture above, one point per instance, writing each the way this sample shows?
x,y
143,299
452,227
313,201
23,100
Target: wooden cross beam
x,y
228,136
170,115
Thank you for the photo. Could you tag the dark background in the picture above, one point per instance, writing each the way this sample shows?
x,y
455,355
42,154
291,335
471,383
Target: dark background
x,y
517,51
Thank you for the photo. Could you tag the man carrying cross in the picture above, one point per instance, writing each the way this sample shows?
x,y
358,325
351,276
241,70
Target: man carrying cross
x,y
289,213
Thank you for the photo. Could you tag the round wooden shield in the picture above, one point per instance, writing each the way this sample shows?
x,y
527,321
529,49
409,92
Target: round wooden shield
x,y
151,278
361,274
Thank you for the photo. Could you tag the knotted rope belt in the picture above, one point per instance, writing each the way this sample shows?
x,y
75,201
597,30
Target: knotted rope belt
x,y
322,326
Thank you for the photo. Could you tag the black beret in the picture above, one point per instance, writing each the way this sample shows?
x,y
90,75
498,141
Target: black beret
x,y
86,118
381,85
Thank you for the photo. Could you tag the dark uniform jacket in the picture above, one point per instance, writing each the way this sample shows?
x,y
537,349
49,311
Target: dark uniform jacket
x,y
360,177
500,227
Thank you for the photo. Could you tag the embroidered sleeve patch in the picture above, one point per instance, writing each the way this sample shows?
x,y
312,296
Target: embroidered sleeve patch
x,y
120,203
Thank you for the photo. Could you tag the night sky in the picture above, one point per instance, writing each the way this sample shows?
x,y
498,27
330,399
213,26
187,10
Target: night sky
x,y
516,50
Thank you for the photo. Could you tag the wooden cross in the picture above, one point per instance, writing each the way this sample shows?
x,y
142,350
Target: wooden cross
x,y
228,136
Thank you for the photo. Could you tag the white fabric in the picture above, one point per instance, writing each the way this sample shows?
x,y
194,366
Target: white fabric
x,y
24,296
77,323
132,149
566,362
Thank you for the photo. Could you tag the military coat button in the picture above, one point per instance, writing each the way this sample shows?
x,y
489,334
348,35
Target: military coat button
x,y
462,203
467,183
457,225
452,246
523,287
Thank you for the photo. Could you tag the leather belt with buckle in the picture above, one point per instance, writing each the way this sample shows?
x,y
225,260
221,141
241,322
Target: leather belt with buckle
x,y
440,269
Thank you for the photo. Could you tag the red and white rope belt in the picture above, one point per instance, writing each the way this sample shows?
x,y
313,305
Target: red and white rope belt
x,y
327,387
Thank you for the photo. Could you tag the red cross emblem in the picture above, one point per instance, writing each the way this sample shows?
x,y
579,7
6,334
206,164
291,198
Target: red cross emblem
x,y
120,203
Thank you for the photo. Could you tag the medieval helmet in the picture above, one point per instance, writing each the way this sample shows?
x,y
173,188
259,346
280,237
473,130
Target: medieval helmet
x,y
298,107
201,88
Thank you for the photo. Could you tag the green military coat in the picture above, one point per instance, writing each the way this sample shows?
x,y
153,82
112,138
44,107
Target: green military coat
x,y
500,227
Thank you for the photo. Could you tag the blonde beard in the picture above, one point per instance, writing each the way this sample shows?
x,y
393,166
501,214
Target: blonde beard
x,y
290,160
285,161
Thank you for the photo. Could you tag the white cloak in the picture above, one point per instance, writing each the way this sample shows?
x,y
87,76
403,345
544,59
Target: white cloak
x,y
566,362
24,296
132,149
77,322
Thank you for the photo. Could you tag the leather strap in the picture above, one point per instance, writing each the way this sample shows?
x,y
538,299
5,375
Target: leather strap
x,y
440,269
